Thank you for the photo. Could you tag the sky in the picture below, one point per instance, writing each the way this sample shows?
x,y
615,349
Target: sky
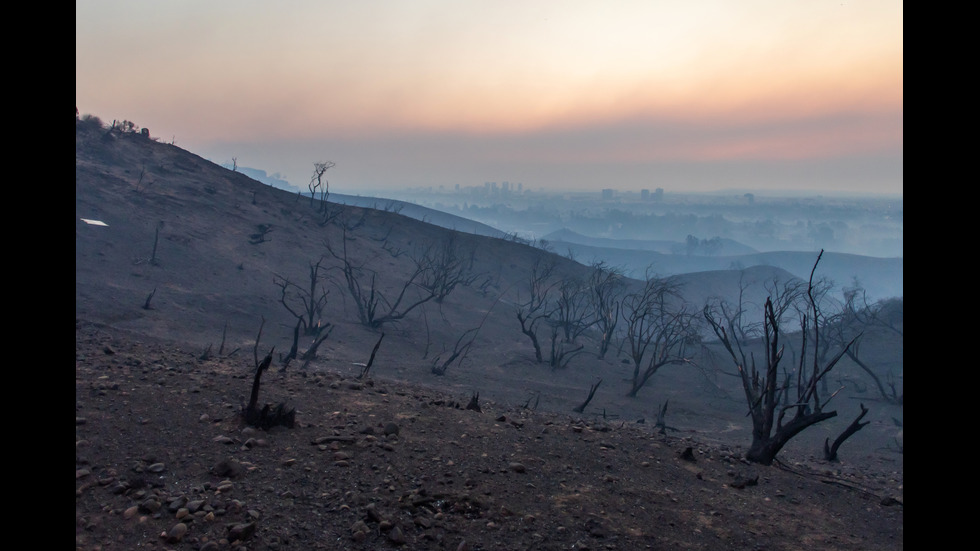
x,y
688,96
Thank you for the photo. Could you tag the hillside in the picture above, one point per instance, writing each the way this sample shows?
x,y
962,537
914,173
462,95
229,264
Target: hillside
x,y
176,288
881,277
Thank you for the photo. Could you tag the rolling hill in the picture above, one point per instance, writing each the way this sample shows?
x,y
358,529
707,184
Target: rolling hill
x,y
204,265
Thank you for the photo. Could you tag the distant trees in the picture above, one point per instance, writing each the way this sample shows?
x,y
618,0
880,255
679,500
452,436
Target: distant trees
x,y
782,403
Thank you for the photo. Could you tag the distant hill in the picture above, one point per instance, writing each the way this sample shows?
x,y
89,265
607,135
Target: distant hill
x,y
880,277
718,247
425,214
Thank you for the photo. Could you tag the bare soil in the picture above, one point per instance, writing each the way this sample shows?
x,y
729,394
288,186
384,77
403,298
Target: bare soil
x,y
164,461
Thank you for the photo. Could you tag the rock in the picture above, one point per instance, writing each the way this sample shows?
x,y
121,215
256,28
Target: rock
x,y
396,536
150,506
156,468
241,532
391,428
517,467
176,533
359,531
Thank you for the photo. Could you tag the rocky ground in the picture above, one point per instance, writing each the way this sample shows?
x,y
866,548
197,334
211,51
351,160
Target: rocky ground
x,y
164,460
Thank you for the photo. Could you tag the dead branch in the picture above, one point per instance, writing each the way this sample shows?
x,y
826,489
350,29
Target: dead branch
x,y
374,351
581,408
830,452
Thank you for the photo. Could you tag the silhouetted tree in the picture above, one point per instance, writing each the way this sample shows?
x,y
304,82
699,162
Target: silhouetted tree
x,y
319,183
305,303
769,393
535,308
375,305
660,329
606,285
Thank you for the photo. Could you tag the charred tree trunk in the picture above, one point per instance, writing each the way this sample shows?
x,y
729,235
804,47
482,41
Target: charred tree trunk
x,y
322,336
592,390
293,350
374,351
830,452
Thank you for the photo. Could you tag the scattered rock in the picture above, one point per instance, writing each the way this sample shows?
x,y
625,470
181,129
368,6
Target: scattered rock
x,y
241,532
176,533
396,536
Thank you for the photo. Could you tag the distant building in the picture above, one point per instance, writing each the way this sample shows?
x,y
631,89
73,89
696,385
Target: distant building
x,y
645,194
607,193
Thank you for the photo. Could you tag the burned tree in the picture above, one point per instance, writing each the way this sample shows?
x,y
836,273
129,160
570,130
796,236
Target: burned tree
x,y
857,317
830,451
562,351
376,306
606,286
572,312
268,416
769,393
581,407
444,266
319,183
374,353
462,347
536,307
305,303
661,329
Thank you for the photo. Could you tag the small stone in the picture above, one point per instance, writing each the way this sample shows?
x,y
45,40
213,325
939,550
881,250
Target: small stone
x,y
359,531
517,467
156,468
396,536
150,506
177,533
241,532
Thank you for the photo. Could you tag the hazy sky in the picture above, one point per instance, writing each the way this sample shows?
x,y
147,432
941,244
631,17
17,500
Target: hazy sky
x,y
693,95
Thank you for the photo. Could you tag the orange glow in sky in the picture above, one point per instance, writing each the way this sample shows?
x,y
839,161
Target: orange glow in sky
x,y
590,81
